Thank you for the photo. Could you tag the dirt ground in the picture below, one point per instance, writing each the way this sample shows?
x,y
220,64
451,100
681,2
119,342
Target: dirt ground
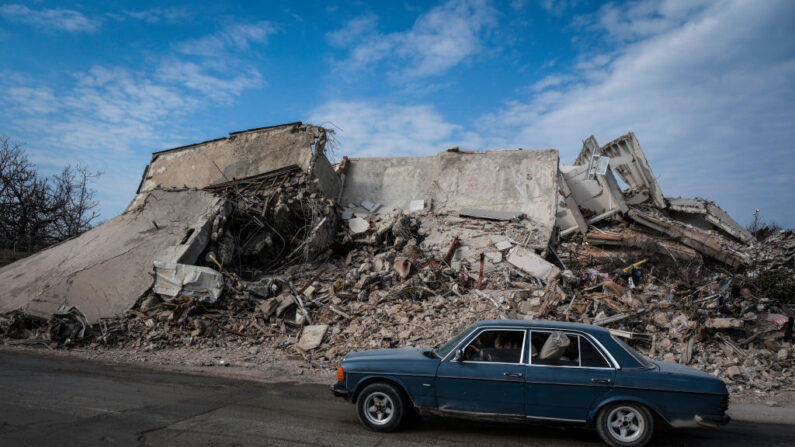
x,y
268,365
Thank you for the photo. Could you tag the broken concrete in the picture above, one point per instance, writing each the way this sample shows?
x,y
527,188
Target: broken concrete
x,y
174,280
240,155
531,263
707,215
568,219
629,162
645,245
312,336
692,237
597,196
105,270
504,181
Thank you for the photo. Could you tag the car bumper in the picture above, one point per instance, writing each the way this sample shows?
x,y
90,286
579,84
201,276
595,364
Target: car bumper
x,y
339,390
712,420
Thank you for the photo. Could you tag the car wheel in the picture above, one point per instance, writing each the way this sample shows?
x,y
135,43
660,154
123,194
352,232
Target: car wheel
x,y
381,407
625,425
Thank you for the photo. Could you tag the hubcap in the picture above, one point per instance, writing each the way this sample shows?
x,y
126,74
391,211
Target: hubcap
x,y
626,424
379,408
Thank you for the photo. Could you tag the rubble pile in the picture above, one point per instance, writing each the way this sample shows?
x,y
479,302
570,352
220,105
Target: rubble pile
x,y
275,219
311,263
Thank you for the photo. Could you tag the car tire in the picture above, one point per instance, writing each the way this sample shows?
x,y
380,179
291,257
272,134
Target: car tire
x,y
381,407
625,424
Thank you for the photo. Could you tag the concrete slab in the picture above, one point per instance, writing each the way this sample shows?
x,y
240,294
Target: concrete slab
x,y
532,264
105,270
173,280
706,214
243,155
710,245
312,336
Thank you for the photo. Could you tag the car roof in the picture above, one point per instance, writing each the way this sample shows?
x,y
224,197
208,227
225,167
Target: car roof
x,y
563,325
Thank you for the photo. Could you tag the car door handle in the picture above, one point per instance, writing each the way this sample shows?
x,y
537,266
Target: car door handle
x,y
597,380
512,374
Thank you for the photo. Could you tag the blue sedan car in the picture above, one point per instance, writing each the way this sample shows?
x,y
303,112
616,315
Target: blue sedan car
x,y
532,370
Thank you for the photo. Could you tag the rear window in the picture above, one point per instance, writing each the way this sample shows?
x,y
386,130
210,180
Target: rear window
x,y
558,348
635,354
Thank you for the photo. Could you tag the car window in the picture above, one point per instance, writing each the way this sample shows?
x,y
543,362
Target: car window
x,y
445,349
557,348
554,348
635,354
503,346
590,356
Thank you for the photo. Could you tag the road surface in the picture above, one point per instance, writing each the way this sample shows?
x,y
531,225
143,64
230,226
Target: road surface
x,y
47,401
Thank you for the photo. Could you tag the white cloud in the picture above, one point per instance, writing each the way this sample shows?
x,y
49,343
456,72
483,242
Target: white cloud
x,y
196,77
354,30
51,19
550,81
237,36
159,15
31,100
708,92
440,38
365,128
558,7
639,19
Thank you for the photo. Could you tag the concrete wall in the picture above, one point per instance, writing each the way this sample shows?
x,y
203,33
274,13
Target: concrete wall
x,y
518,180
510,180
241,155
392,182
328,182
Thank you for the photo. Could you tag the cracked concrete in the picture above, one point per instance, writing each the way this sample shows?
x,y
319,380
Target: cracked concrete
x,y
105,270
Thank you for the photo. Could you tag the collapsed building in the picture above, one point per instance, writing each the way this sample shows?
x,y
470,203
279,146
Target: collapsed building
x,y
258,236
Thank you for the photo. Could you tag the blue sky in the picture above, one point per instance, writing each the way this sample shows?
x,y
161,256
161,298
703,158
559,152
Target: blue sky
x,y
708,87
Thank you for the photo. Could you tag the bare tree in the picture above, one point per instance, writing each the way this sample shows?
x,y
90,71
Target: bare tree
x,y
23,200
35,211
74,207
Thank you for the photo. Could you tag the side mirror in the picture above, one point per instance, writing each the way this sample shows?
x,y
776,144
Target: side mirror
x,y
459,354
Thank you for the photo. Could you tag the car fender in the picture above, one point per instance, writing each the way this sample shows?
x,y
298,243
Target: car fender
x,y
398,381
611,397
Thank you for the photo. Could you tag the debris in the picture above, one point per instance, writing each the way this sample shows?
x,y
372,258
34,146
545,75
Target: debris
x,y
491,215
733,371
723,323
67,325
533,264
402,267
312,336
358,225
173,280
416,205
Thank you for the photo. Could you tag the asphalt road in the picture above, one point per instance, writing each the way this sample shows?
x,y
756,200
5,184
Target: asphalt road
x,y
46,401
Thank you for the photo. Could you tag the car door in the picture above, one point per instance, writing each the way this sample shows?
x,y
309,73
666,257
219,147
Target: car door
x,y
563,382
488,378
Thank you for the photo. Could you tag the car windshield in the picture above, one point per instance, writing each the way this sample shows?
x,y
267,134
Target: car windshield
x,y
444,349
635,354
